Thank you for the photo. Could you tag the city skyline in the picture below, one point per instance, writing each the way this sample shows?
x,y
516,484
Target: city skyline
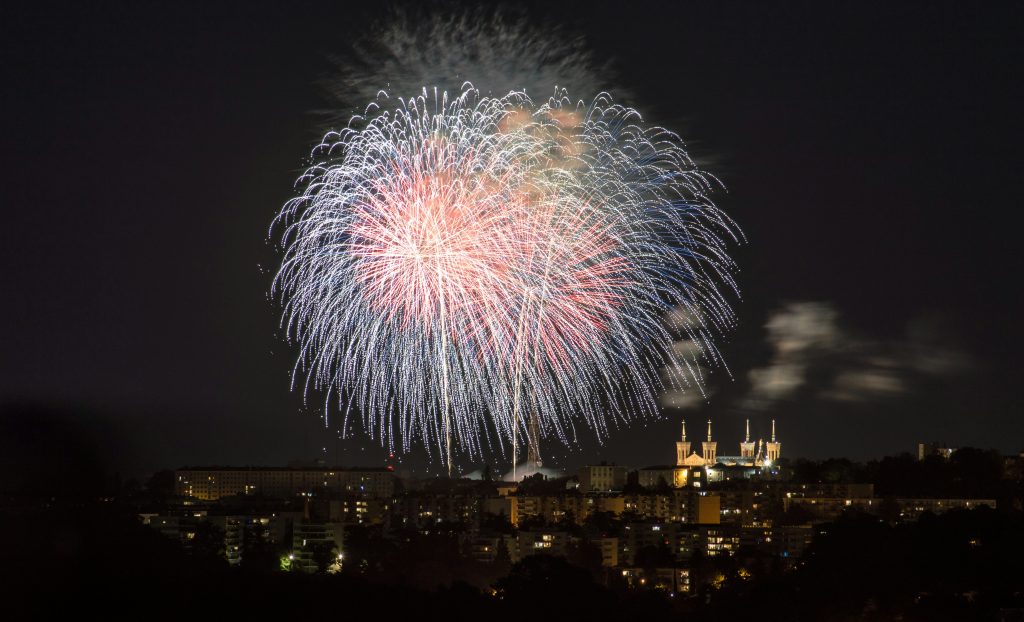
x,y
518,310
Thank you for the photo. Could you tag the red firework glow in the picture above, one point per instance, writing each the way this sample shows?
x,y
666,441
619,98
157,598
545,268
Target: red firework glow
x,y
488,257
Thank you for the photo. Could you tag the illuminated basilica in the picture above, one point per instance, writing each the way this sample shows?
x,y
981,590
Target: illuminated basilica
x,y
692,468
759,454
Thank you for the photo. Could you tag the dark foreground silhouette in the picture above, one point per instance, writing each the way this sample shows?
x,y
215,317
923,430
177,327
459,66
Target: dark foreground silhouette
x,y
85,557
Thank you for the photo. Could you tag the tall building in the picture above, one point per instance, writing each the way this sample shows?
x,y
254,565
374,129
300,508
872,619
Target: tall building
x,y
706,509
212,483
602,478
307,536
679,476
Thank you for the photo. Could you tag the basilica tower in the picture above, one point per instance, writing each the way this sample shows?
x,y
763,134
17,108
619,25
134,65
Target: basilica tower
x,y
774,447
747,446
710,448
682,447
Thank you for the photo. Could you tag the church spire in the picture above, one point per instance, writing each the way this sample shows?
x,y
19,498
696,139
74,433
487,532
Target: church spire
x,y
710,448
682,448
774,447
747,449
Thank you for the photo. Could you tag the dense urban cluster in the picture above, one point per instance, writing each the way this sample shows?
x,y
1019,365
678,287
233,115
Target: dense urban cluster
x,y
647,535
669,528
674,529
935,535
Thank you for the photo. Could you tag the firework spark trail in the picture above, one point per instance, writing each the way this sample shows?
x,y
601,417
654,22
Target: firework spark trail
x,y
454,263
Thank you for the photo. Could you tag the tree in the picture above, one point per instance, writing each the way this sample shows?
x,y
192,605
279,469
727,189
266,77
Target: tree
x,y
632,486
796,515
502,559
585,554
208,541
161,484
651,557
324,553
602,524
497,523
889,509
533,484
568,523
544,583
533,522
258,550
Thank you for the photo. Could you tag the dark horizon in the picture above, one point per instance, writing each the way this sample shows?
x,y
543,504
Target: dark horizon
x,y
869,153
51,442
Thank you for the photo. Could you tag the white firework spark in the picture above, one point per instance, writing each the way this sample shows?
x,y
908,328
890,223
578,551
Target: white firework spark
x,y
454,264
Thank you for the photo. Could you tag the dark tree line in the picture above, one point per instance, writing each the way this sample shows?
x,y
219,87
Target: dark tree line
x,y
967,473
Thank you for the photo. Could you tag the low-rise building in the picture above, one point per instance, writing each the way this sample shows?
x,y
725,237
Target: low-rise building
x,y
609,550
602,478
826,509
705,509
212,483
484,547
912,509
719,540
549,542
673,580
307,536
787,541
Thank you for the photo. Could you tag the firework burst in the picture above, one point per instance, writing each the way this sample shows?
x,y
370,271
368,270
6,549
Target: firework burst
x,y
453,265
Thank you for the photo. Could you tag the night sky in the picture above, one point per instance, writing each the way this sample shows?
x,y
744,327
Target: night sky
x,y
871,154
